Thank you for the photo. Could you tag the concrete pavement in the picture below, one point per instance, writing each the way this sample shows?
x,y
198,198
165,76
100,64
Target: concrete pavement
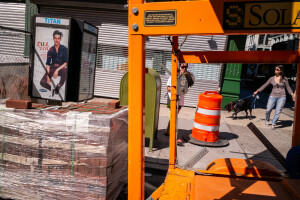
x,y
242,142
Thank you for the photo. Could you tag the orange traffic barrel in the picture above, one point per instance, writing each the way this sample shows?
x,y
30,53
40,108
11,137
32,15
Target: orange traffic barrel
x,y
207,121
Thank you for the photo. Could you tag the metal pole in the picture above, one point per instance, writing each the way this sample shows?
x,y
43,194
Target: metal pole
x,y
136,116
296,128
173,110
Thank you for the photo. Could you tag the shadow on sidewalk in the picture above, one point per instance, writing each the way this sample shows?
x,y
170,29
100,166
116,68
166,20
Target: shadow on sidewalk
x,y
284,123
162,141
267,157
224,135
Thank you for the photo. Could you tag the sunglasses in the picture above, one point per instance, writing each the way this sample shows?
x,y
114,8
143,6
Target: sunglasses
x,y
184,66
277,69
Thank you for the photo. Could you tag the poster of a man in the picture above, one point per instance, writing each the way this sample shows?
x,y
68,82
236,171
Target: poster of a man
x,y
56,64
50,63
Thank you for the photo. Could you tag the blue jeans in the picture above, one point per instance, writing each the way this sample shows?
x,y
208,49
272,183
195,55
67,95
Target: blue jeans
x,y
279,102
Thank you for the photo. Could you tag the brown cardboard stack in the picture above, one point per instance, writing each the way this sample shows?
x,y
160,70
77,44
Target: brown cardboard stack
x,y
49,155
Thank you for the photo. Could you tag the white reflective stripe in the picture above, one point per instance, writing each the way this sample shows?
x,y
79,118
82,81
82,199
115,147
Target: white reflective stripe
x,y
206,128
208,112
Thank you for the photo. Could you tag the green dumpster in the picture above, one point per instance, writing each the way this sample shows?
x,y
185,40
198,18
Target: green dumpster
x,y
232,79
152,101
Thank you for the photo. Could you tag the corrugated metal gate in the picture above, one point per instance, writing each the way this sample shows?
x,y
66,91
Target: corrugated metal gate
x,y
12,15
14,68
112,61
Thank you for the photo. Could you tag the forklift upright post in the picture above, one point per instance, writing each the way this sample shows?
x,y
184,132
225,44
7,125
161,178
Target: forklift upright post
x,y
173,102
136,116
296,124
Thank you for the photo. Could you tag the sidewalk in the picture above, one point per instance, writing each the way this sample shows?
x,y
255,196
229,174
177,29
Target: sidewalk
x,y
242,142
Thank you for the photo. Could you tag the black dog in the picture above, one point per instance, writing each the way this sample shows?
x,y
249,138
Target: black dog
x,y
240,105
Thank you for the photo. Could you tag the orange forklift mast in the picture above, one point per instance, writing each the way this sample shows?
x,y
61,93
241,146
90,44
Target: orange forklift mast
x,y
205,17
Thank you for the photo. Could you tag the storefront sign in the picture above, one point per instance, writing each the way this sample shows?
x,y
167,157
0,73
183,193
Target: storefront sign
x,y
266,15
48,20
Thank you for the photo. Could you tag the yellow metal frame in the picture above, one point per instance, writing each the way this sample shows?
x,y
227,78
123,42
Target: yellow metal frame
x,y
193,17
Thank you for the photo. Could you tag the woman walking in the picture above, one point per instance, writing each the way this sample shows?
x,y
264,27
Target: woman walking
x,y
278,95
183,69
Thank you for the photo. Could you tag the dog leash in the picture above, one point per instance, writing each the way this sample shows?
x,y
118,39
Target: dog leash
x,y
247,97
253,103
231,106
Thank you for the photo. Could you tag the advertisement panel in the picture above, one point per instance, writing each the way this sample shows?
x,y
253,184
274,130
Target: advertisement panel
x,y
64,59
88,62
50,61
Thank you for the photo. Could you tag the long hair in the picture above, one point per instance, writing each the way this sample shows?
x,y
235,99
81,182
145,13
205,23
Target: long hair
x,y
281,73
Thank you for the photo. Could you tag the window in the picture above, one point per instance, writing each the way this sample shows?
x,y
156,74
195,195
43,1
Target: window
x,y
261,39
116,58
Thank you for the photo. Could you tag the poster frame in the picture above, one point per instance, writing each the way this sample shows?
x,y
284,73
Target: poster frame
x,y
94,75
76,31
33,52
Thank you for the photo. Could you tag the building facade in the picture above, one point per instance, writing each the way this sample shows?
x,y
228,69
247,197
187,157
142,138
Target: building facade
x,y
256,74
14,66
112,60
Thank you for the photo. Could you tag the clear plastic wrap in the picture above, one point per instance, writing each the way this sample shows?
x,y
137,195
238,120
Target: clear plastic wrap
x,y
69,155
